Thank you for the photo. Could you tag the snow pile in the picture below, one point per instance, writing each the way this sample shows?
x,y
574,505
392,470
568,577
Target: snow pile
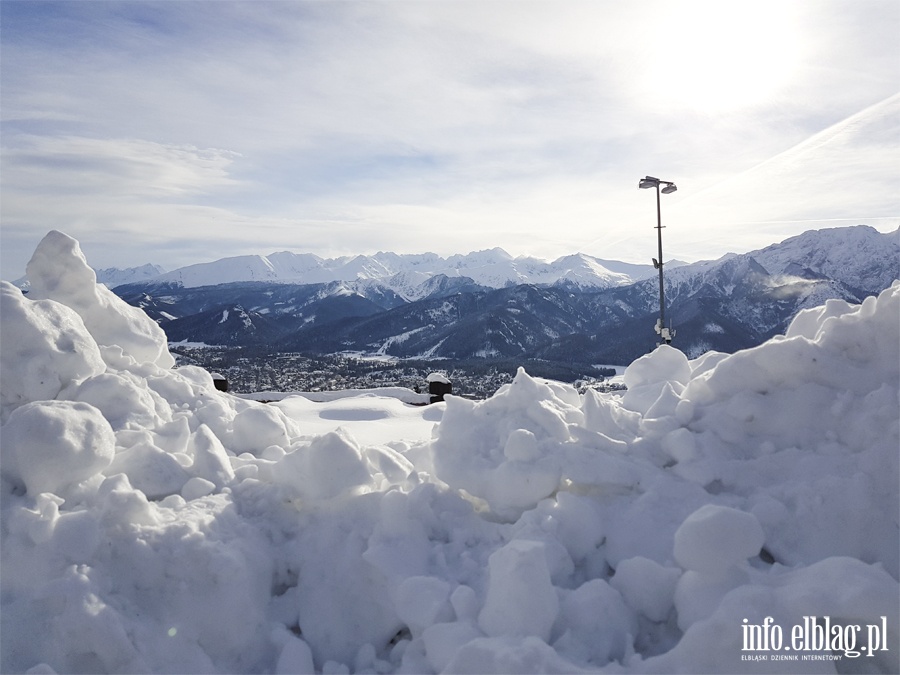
x,y
58,271
153,524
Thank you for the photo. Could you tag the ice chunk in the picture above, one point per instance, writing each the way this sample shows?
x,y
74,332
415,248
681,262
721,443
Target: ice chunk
x,y
295,658
331,465
54,444
521,445
714,538
698,594
663,364
647,586
258,427
152,470
388,462
520,599
598,625
210,459
443,640
197,487
124,399
604,414
506,450
423,601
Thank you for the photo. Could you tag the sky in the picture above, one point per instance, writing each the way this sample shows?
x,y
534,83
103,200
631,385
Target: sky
x,y
182,132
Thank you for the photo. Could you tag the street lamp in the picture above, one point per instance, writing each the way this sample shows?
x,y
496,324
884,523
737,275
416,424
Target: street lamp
x,y
665,334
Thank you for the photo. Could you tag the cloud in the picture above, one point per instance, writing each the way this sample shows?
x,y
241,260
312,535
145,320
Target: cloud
x,y
448,126
844,175
113,167
114,191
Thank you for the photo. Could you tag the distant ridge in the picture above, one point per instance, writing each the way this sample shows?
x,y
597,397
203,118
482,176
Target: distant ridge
x,y
493,268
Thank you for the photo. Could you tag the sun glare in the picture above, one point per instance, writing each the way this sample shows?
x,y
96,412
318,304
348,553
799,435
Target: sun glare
x,y
716,56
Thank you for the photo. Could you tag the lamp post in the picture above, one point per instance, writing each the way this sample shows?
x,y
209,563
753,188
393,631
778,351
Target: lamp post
x,y
665,335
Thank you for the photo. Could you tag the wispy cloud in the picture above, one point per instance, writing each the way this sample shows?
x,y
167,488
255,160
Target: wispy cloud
x,y
441,125
113,167
844,175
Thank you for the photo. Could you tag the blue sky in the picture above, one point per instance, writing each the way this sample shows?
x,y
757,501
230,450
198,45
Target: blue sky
x,y
179,132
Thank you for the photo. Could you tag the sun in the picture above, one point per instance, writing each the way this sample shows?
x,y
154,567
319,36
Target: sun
x,y
717,55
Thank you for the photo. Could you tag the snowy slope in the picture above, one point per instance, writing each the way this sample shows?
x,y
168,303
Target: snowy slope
x,y
854,256
740,300
859,257
153,524
227,270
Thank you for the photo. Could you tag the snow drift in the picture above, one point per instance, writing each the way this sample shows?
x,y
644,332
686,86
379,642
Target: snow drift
x,y
153,524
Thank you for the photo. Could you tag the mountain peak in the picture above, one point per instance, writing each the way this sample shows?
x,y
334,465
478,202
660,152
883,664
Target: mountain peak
x,y
484,256
852,255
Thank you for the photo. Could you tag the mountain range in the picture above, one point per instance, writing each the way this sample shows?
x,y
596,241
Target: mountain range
x,y
403,273
489,305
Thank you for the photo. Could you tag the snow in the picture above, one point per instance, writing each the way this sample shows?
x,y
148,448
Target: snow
x,y
400,338
715,538
58,271
381,419
518,576
53,444
45,347
151,523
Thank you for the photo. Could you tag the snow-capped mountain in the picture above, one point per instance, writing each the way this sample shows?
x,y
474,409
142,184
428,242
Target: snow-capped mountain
x,y
114,276
493,268
560,314
854,256
404,274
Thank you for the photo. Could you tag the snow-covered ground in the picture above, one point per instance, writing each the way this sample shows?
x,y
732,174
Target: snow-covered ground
x,y
727,514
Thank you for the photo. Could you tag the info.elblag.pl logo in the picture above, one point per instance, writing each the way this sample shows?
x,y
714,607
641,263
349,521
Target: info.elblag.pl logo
x,y
814,639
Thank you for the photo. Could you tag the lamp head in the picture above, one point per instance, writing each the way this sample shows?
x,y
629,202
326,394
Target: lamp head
x,y
648,182
669,188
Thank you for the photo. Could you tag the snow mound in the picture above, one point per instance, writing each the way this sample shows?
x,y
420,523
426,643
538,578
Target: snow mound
x,y
45,347
59,271
714,538
151,523
520,600
52,444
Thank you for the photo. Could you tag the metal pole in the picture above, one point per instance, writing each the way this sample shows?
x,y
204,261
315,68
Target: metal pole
x,y
663,334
